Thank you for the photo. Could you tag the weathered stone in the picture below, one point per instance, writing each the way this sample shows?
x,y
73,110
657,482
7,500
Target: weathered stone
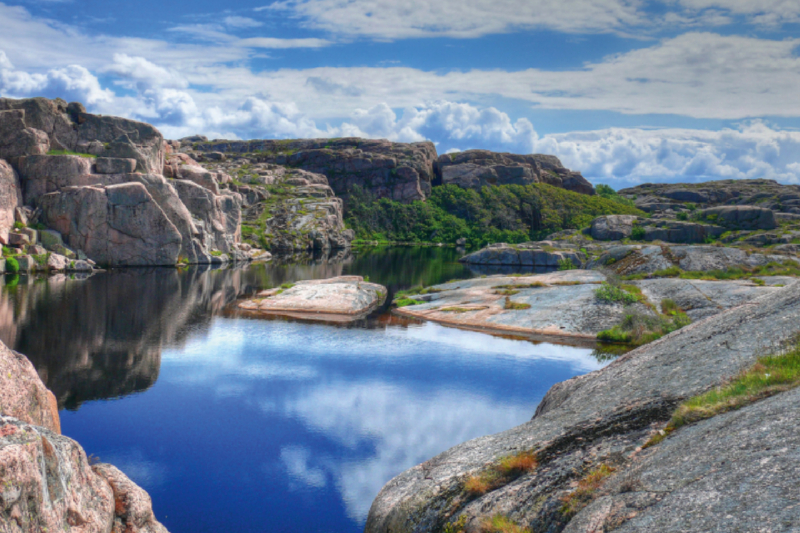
x,y
113,165
219,215
741,217
26,263
10,199
51,239
613,227
200,176
57,262
41,174
119,225
680,232
477,168
133,507
33,235
17,139
22,393
523,255
15,238
343,298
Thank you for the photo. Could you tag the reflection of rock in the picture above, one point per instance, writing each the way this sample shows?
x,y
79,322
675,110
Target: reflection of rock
x,y
22,393
113,346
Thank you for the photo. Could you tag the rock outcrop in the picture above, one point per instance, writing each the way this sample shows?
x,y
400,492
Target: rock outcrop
x,y
344,298
602,419
526,254
105,182
398,171
745,217
618,227
474,169
48,482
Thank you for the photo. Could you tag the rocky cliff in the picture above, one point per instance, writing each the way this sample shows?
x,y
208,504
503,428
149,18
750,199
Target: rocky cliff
x,y
48,482
580,464
98,181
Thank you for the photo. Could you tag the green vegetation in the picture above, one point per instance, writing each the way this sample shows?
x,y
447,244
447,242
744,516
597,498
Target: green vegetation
x,y
566,264
67,152
639,328
403,302
506,213
18,225
461,309
586,490
12,265
216,253
770,375
501,524
286,286
605,191
637,232
534,285
610,294
682,216
506,470
515,306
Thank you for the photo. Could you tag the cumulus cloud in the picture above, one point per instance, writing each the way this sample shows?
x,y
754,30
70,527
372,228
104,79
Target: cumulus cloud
x,y
241,22
72,83
144,74
762,12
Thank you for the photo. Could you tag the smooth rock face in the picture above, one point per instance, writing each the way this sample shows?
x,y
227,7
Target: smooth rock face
x,y
474,169
10,199
200,176
22,393
119,225
741,217
217,218
42,174
603,417
735,472
344,296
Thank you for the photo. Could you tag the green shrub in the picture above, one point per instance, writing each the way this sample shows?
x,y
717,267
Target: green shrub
x,y
682,216
12,265
610,294
403,302
638,233
566,264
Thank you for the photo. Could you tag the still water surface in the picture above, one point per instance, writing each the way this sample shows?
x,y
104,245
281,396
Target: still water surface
x,y
249,425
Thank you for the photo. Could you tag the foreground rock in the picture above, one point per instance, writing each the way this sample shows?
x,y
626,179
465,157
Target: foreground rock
x,y
474,169
48,482
340,299
603,418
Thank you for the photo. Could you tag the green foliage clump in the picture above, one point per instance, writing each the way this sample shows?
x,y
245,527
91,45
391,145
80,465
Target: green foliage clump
x,y
605,191
505,213
566,264
12,265
403,302
637,233
68,152
610,294
641,328
682,216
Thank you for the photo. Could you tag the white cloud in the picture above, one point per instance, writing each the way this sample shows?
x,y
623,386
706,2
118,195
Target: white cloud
x,y
241,22
144,74
72,83
271,42
388,19
764,12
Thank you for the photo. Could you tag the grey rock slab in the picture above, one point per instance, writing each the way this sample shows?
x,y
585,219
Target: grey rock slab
x,y
10,199
746,217
612,227
568,310
736,472
628,396
115,165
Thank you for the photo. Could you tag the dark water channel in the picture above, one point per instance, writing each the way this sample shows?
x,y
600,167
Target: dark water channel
x,y
247,425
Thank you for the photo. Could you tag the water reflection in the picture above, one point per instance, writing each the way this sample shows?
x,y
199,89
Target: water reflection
x,y
246,424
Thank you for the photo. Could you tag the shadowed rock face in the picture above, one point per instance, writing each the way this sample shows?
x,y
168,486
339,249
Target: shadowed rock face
x,y
399,171
10,198
474,169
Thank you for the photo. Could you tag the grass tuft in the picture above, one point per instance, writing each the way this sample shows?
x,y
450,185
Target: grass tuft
x,y
611,294
770,375
506,469
586,490
404,302
501,524
641,328
515,306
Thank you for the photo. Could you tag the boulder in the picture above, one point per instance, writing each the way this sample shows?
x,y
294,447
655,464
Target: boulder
x,y
57,262
612,227
675,231
15,238
114,165
51,239
10,199
26,263
343,298
23,395
200,176
119,225
746,217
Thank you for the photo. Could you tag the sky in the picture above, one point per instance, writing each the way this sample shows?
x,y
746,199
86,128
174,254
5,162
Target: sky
x,y
625,91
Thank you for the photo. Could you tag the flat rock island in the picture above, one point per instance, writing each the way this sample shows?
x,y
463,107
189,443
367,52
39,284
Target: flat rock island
x,y
339,299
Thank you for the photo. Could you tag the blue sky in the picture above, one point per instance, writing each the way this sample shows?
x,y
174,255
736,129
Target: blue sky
x,y
626,91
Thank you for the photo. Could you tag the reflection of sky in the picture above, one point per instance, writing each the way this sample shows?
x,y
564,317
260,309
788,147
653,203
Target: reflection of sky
x,y
283,426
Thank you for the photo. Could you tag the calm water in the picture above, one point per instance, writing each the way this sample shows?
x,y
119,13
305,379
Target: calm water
x,y
239,424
